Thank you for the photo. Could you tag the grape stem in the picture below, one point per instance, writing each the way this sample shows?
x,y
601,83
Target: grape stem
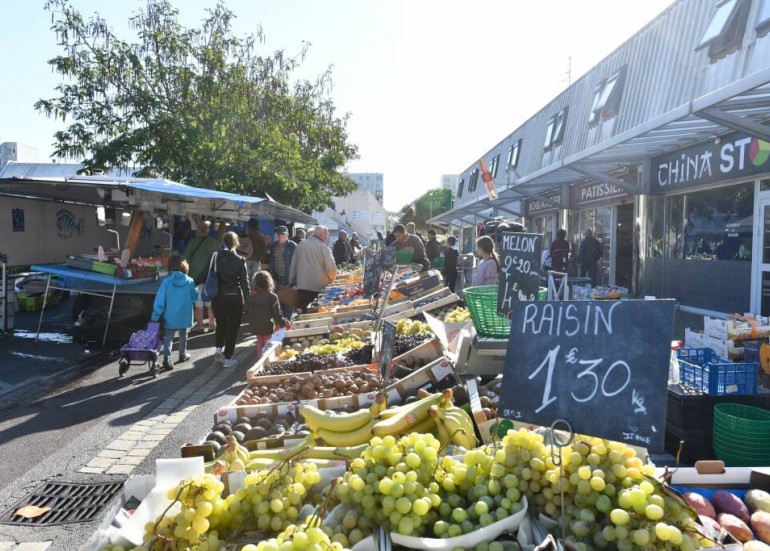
x,y
167,541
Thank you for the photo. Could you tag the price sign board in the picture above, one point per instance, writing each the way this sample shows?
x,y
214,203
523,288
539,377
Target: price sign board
x,y
387,343
601,365
371,274
387,258
519,269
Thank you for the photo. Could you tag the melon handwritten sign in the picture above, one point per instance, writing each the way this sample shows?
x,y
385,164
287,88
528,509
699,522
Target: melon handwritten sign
x,y
519,277
601,365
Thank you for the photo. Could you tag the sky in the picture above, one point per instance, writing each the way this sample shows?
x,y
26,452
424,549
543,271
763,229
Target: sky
x,y
430,85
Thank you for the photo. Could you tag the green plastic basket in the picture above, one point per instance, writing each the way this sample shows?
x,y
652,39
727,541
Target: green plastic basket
x,y
741,435
482,305
542,293
404,256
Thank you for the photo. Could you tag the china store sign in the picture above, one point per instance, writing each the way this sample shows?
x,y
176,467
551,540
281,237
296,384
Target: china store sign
x,y
734,157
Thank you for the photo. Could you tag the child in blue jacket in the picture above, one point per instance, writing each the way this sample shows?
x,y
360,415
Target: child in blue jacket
x,y
174,303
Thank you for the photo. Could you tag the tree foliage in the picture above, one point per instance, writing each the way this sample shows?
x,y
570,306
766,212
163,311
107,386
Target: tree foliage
x,y
198,105
431,203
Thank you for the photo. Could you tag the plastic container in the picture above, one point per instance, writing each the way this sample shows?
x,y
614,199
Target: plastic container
x,y
105,268
742,435
482,305
702,370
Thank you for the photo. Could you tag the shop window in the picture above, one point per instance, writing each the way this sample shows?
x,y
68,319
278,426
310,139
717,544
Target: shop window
x,y
554,132
724,32
717,224
460,187
473,181
607,98
493,166
657,228
514,152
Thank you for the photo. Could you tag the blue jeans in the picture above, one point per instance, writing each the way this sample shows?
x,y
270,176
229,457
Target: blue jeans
x,y
169,338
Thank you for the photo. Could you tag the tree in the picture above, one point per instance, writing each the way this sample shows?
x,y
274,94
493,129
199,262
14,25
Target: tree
x,y
431,203
198,105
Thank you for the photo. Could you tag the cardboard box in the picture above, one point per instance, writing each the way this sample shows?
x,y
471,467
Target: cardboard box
x,y
693,339
726,348
232,411
436,374
747,327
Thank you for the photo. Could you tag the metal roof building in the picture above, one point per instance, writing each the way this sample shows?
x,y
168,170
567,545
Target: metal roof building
x,y
614,153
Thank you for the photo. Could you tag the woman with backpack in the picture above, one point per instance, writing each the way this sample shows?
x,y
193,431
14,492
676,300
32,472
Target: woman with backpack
x,y
489,263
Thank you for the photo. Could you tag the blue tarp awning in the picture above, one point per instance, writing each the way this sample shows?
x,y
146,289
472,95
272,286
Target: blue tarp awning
x,y
167,187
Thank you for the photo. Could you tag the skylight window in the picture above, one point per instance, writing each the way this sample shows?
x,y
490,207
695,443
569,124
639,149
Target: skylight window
x,y
514,152
719,23
554,132
460,187
493,166
473,180
607,98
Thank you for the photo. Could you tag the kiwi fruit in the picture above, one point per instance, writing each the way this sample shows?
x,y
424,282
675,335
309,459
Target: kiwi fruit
x,y
411,400
275,430
265,423
243,419
239,436
256,433
214,444
217,436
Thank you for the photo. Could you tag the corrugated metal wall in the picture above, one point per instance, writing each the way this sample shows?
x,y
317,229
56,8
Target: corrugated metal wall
x,y
663,71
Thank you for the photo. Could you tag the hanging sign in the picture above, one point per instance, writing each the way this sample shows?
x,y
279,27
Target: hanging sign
x,y
519,277
602,366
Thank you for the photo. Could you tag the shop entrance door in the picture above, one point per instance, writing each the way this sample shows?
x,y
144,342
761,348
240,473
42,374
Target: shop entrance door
x,y
624,243
762,273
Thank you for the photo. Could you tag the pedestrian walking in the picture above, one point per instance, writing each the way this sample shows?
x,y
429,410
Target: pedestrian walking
x,y
313,266
451,255
262,310
589,255
197,253
233,288
281,256
174,305
342,251
489,263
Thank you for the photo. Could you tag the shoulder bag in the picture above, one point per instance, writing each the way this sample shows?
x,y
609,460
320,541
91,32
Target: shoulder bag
x,y
211,287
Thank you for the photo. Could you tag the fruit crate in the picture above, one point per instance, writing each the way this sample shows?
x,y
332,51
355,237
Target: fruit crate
x,y
696,411
33,303
703,371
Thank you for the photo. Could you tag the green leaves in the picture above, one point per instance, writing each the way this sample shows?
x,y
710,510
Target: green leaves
x,y
200,106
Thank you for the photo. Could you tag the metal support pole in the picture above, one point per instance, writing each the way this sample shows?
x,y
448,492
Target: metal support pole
x,y
45,299
109,315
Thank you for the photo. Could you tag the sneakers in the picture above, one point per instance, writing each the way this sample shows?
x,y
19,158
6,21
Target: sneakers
x,y
230,362
219,356
184,357
167,364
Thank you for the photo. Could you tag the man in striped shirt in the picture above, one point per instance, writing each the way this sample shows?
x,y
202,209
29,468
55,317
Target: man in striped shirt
x,y
281,255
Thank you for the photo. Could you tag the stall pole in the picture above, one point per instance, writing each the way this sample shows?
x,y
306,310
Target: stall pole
x,y
4,283
109,315
45,300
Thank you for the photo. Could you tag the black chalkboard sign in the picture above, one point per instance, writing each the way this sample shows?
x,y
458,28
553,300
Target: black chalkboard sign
x,y
371,274
601,365
388,258
519,277
387,342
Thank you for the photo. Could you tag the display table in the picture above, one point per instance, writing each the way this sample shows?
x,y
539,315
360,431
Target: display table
x,y
91,283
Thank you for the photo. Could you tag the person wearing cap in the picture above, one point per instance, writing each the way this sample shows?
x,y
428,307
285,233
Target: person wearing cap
x,y
342,251
198,253
281,255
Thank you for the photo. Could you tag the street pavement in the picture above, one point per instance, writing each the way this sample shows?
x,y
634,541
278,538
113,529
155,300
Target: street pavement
x,y
101,427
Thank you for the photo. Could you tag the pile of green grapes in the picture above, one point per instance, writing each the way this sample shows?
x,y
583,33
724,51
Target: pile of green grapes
x,y
611,500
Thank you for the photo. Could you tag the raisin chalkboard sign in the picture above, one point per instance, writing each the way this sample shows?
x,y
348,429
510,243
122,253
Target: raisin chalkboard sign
x,y
519,277
388,341
601,365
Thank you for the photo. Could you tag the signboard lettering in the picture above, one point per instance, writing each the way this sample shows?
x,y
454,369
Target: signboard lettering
x,y
589,361
536,206
519,277
735,156
594,194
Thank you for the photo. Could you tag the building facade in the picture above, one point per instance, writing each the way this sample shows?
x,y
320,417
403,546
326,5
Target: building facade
x,y
663,150
358,212
19,152
370,181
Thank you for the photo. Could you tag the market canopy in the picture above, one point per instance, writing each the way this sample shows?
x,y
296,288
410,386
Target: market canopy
x,y
60,183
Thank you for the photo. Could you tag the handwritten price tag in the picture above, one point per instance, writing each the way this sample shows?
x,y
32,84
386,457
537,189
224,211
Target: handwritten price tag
x,y
603,366
519,269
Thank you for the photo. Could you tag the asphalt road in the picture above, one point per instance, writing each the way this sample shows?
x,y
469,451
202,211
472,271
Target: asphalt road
x,y
51,437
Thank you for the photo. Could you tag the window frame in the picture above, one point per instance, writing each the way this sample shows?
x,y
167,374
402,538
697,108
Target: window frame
x,y
473,180
730,34
494,165
763,18
606,98
460,187
554,133
514,152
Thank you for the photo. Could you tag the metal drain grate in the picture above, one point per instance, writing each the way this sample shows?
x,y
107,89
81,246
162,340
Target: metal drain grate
x,y
69,503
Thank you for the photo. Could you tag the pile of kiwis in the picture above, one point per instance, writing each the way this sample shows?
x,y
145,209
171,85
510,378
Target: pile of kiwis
x,y
310,387
258,427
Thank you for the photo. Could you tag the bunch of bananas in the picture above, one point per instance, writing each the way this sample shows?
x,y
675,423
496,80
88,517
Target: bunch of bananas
x,y
406,326
234,458
458,315
344,429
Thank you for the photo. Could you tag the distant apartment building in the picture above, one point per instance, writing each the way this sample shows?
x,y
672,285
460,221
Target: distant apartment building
x,y
19,152
449,181
358,212
369,181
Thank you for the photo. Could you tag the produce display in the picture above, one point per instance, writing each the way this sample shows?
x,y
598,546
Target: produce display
x,y
726,512
405,343
257,427
301,363
310,387
406,326
458,315
338,341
